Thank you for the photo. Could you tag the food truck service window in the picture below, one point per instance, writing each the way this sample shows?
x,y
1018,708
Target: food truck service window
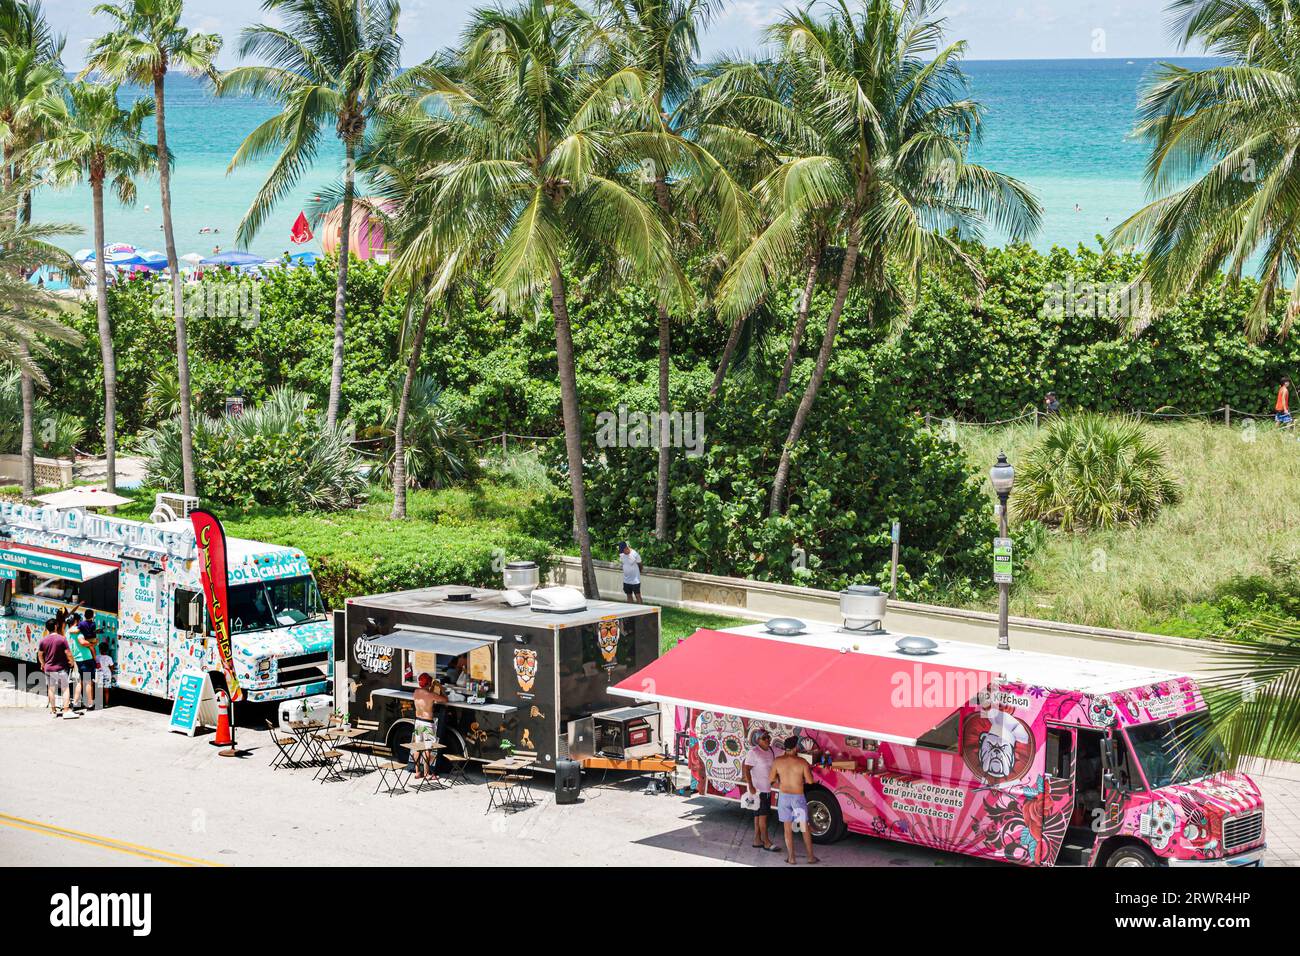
x,y
479,665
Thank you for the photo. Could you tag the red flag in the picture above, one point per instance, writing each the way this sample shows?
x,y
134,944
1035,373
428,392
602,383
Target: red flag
x,y
211,541
301,231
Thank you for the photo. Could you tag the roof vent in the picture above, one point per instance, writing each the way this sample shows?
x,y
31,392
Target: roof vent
x,y
459,594
558,600
862,606
916,646
785,626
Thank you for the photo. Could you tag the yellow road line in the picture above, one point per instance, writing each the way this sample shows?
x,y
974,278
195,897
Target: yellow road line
x,y
104,843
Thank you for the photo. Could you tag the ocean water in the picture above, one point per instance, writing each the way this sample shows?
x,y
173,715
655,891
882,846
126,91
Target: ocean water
x,y
1061,126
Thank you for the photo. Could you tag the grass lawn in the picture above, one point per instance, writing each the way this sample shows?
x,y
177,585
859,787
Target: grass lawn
x,y
676,623
1237,521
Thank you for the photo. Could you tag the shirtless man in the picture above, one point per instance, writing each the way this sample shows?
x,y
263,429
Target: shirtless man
x,y
428,697
790,774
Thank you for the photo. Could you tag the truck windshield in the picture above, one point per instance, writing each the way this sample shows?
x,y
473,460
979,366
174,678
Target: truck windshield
x,y
1177,750
268,604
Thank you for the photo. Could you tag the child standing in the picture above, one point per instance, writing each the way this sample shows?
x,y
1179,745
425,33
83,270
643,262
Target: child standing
x,y
104,672
1282,409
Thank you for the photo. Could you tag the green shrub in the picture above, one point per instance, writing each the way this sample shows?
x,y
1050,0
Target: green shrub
x,y
1094,471
278,453
864,461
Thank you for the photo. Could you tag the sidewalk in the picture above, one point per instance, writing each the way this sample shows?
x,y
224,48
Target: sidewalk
x,y
130,471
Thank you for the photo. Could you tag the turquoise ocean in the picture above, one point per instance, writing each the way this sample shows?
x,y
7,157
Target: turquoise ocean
x,y
1062,126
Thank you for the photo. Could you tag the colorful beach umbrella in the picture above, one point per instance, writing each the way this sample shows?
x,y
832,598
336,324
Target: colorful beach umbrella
x,y
235,258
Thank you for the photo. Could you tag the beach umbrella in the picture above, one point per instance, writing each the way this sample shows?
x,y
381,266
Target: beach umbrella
x,y
193,258
83,497
83,255
119,247
235,257
123,259
154,260
303,259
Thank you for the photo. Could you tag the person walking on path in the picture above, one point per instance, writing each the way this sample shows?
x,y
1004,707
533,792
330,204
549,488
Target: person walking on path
x,y
1282,407
791,774
630,558
54,658
757,767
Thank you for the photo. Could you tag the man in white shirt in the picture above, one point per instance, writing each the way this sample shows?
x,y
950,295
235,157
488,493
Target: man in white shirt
x,y
631,562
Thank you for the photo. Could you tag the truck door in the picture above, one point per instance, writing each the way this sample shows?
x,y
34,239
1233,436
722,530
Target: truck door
x,y
1057,797
143,657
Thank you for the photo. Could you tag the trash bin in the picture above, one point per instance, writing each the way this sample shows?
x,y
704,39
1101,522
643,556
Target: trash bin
x,y
568,780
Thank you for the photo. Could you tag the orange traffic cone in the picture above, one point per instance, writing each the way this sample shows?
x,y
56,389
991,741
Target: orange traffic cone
x,y
225,736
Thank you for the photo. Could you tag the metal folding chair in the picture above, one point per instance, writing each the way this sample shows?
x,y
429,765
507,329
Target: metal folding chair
x,y
387,765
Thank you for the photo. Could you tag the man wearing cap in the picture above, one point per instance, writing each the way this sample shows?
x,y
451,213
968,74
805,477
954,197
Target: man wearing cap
x,y
791,774
631,561
757,768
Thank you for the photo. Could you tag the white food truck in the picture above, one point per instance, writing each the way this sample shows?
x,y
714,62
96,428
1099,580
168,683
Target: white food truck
x,y
142,579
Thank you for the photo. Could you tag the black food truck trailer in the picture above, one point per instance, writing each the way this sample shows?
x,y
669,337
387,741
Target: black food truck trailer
x,y
539,666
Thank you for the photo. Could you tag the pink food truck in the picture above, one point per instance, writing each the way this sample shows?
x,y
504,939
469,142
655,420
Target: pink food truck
x,y
1031,758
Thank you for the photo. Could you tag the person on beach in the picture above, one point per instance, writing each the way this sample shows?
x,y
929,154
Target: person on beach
x,y
1282,407
630,558
791,774
757,767
54,658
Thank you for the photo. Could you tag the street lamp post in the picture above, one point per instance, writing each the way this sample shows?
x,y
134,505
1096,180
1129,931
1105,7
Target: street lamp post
x,y
1003,476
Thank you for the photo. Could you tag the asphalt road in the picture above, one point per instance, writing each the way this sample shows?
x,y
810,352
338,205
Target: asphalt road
x,y
116,788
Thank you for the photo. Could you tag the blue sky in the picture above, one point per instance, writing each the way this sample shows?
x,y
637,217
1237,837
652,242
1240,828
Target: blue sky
x,y
995,29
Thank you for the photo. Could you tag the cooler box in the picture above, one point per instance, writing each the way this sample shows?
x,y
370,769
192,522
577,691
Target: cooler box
x,y
318,707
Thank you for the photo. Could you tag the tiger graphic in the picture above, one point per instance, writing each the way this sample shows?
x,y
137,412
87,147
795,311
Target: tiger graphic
x,y
525,668
607,634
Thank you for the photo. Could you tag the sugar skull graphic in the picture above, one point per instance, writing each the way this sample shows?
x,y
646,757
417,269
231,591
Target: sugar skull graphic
x,y
1100,711
1158,822
525,667
721,748
778,731
607,634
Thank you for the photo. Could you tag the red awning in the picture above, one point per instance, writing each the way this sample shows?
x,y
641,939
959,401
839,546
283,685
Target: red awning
x,y
894,698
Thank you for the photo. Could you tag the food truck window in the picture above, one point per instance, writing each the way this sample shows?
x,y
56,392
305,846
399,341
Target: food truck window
x,y
187,607
47,588
443,667
943,737
1060,745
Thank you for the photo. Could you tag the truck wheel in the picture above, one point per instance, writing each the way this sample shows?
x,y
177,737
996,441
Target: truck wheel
x,y
398,735
824,816
1131,855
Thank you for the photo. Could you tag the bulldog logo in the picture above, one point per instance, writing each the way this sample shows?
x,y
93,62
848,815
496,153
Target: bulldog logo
x,y
525,668
996,746
607,634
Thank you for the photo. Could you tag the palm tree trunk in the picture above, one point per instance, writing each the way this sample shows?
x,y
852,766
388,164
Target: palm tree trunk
x,y
341,290
728,350
403,405
801,322
28,447
665,367
572,426
105,341
819,372
178,295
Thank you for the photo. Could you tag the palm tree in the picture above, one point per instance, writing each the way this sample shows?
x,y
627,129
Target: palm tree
x,y
660,38
30,90
542,148
23,27
24,311
332,60
884,101
1233,130
147,41
98,142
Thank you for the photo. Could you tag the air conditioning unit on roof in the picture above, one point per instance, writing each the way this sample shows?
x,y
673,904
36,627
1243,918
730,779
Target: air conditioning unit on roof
x,y
168,506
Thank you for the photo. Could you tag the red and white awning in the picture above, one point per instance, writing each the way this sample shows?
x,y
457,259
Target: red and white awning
x,y
891,698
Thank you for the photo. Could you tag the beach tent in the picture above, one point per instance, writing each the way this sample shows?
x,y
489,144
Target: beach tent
x,y
366,232
235,258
